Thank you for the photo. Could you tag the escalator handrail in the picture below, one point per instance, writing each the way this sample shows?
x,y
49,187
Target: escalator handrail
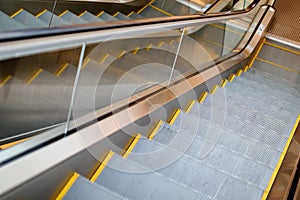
x,y
45,32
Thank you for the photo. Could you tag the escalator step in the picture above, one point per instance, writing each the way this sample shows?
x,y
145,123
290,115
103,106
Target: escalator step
x,y
135,182
253,102
28,20
121,16
90,17
187,168
106,17
265,97
259,78
81,188
8,23
136,16
72,18
56,21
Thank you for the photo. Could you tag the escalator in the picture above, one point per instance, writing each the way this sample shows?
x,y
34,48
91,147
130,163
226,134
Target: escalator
x,y
207,114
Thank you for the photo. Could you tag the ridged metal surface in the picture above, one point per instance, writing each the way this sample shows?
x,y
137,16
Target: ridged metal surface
x,y
286,23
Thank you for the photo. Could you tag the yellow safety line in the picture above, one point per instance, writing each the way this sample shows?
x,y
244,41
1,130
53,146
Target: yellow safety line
x,y
131,146
63,13
100,13
5,146
18,12
224,83
226,29
149,47
231,77
214,89
203,97
86,62
283,48
162,11
161,43
61,69
245,68
143,8
122,54
136,51
82,13
278,65
256,53
189,106
36,74
239,72
38,15
116,13
154,130
5,80
104,58
67,186
102,166
174,116
131,13
275,172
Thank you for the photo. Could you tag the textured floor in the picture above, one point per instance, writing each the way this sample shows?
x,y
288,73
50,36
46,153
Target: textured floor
x,y
287,20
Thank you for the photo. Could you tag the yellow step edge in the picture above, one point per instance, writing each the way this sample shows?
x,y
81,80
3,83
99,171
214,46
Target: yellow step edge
x,y
132,145
245,68
256,53
161,43
101,166
131,13
155,129
136,51
283,48
275,172
103,59
149,47
38,15
203,97
85,62
174,116
231,77
214,89
122,54
67,187
80,15
5,80
100,13
143,8
63,13
224,83
160,10
61,69
171,42
278,65
189,106
116,13
239,72
36,74
16,13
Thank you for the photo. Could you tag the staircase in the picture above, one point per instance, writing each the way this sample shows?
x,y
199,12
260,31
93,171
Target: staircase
x,y
228,144
23,19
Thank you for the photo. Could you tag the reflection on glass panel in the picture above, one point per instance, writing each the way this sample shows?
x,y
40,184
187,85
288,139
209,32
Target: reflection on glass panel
x,y
35,92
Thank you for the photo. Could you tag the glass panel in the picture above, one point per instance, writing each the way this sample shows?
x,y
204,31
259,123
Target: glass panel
x,y
117,69
35,93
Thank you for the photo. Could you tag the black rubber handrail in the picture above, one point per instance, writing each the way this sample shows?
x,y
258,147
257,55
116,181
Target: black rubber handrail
x,y
44,32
